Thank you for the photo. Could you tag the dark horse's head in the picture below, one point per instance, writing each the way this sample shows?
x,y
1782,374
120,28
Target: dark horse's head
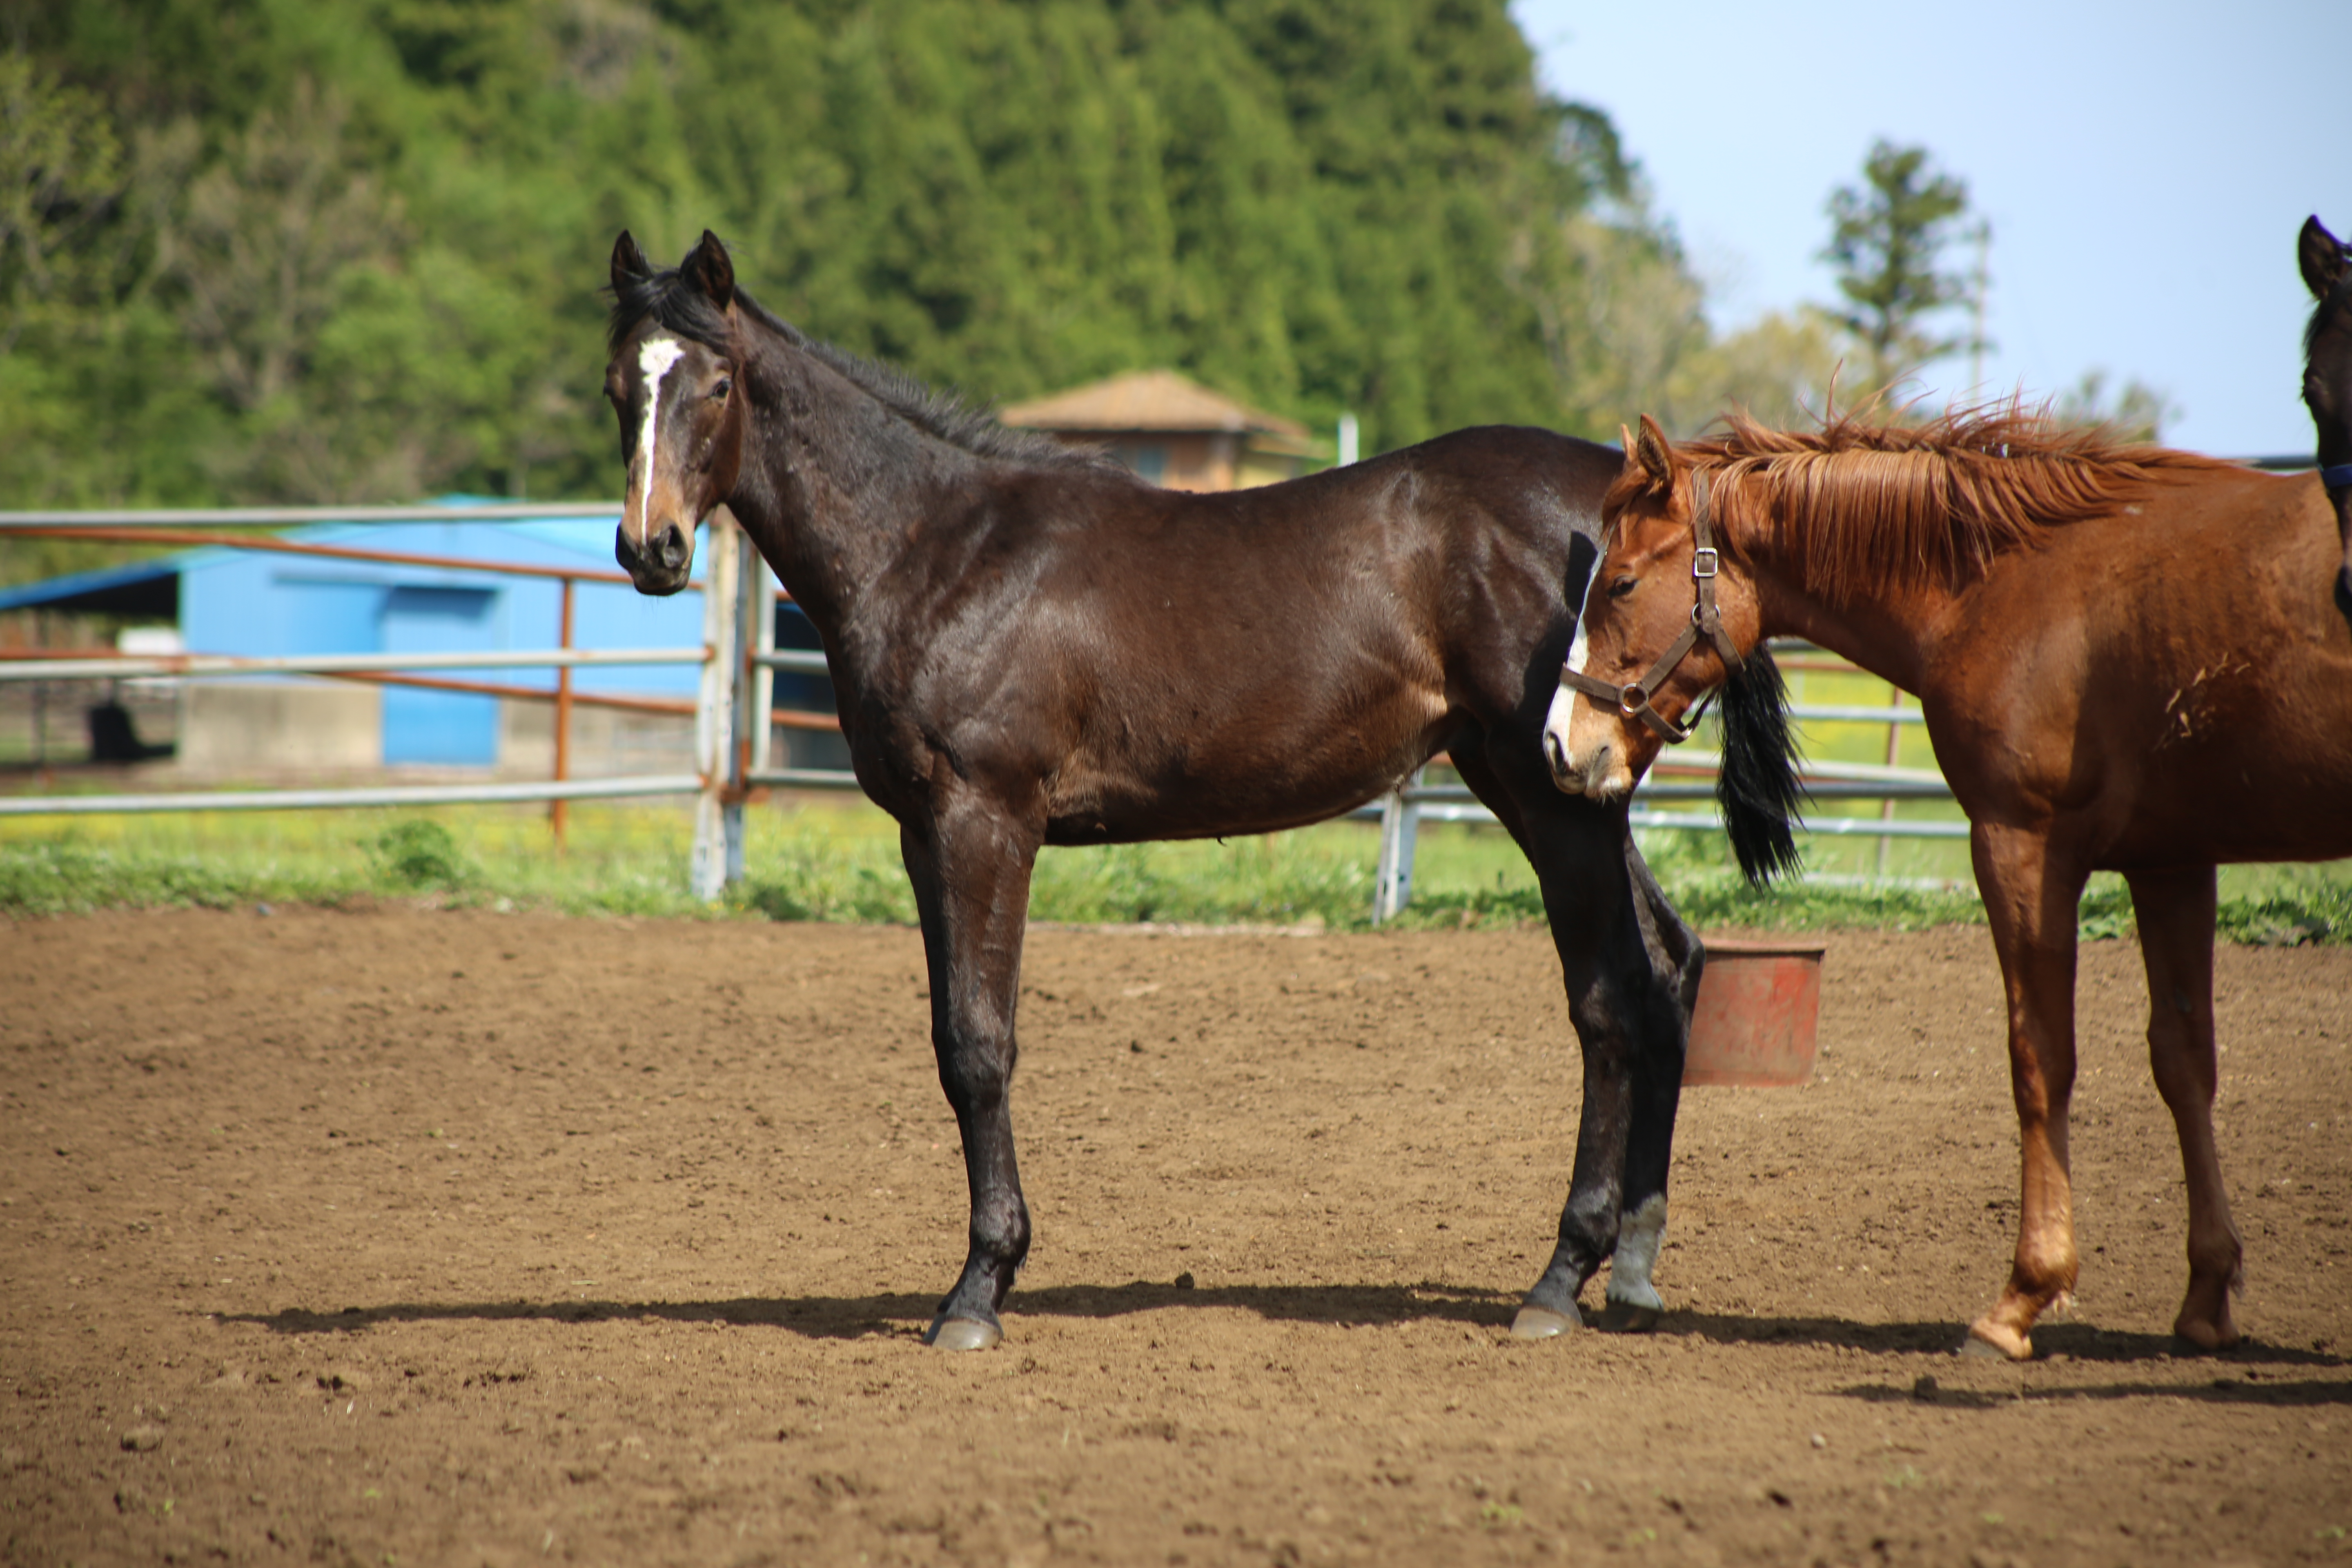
x,y
1638,608
672,380
2326,264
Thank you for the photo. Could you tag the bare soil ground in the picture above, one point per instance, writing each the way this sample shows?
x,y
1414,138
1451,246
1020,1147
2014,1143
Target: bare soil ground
x,y
406,1236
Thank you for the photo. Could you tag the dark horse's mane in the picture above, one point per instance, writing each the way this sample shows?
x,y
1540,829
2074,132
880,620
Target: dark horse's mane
x,y
677,304
1878,503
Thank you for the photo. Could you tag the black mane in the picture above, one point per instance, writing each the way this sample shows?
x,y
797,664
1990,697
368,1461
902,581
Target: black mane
x,y
677,305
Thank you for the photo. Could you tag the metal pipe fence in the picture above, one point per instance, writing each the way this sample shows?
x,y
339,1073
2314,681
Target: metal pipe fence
x,y
734,714
707,783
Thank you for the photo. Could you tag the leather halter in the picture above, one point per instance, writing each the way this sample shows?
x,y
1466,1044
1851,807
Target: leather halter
x,y
1632,700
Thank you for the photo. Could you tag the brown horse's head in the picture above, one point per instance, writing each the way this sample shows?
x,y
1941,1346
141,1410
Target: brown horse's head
x,y
1643,595
1667,620
2327,263
672,381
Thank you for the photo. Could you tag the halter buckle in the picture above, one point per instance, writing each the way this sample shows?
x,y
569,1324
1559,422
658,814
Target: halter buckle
x,y
1703,562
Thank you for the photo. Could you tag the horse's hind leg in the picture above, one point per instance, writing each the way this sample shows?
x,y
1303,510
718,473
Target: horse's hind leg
x,y
970,868
2175,942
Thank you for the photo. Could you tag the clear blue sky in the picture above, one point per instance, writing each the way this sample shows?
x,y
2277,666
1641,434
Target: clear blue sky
x,y
2144,167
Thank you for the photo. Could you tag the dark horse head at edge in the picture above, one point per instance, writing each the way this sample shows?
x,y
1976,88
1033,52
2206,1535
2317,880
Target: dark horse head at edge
x,y
2326,265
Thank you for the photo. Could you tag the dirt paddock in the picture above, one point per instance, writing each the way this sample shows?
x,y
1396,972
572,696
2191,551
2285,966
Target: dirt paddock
x,y
401,1237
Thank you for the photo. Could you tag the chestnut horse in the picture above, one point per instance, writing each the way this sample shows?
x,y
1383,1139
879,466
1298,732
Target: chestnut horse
x,y
1033,646
2127,658
2327,263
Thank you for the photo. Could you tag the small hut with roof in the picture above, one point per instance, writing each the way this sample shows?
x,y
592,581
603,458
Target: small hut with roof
x,y
1172,430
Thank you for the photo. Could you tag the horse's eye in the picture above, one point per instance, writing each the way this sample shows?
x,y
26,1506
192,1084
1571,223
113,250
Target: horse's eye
x,y
725,386
1622,587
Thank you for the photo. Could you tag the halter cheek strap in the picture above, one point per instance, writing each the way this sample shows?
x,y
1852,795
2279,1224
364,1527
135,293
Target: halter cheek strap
x,y
1706,620
2338,478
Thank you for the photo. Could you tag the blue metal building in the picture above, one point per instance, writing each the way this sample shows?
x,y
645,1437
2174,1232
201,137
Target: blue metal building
x,y
262,604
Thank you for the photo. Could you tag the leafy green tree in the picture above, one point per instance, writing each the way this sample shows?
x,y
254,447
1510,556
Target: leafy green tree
x,y
1887,237
352,248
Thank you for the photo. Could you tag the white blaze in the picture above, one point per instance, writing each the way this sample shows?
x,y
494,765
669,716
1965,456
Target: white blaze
x,y
1563,701
655,358
1639,1234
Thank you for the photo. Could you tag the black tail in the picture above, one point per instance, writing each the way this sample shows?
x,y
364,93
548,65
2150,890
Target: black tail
x,y
1757,787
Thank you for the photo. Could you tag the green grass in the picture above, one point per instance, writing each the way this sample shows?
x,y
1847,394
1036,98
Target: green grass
x,y
839,860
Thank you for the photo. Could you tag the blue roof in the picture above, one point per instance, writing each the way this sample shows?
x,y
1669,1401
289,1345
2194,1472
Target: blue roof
x,y
109,581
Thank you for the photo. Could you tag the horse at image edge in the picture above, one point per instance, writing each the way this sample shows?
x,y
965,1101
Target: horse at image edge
x,y
2326,265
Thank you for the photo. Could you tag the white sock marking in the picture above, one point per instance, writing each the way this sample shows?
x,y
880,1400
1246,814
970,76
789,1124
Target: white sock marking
x,y
1639,1234
655,358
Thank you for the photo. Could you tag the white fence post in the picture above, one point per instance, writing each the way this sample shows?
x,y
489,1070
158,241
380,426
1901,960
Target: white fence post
x,y
751,575
714,714
1400,831
762,599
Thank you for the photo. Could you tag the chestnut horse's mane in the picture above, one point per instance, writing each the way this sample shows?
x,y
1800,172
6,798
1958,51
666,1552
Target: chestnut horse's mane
x,y
1868,504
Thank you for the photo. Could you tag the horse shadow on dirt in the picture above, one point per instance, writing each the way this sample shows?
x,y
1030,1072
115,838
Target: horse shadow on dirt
x,y
2248,1374
902,1313
2053,1341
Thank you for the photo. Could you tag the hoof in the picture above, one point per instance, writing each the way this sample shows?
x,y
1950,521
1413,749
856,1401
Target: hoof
x,y
1627,1318
1977,1347
2203,1339
1536,1322
961,1334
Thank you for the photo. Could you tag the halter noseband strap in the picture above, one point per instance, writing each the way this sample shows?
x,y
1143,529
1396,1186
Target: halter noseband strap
x,y
1706,620
2337,477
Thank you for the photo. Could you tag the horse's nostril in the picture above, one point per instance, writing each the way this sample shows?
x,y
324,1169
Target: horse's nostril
x,y
1556,754
673,548
622,550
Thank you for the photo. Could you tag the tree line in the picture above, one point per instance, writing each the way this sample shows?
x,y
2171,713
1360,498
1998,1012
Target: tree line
x,y
259,251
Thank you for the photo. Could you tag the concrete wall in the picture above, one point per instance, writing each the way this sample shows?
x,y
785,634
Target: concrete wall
x,y
606,742
252,726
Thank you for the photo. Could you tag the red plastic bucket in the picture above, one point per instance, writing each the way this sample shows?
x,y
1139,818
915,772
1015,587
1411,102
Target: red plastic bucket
x,y
1753,1024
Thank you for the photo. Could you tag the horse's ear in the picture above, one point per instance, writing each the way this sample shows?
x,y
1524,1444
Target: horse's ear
x,y
628,261
1652,450
2321,255
708,268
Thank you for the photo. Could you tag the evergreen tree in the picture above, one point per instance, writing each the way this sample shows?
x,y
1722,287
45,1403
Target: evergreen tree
x,y
1886,240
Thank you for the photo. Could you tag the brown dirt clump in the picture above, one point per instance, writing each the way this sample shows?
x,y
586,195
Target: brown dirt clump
x,y
418,1238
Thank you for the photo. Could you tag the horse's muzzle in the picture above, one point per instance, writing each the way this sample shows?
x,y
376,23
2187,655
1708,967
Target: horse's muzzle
x,y
1563,777
660,566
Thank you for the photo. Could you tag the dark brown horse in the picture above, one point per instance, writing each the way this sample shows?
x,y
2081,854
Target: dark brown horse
x,y
1031,645
2127,659
2327,263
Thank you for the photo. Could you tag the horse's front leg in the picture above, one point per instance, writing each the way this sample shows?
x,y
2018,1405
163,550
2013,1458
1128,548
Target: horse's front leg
x,y
2031,896
1631,967
970,865
1675,960
2176,911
